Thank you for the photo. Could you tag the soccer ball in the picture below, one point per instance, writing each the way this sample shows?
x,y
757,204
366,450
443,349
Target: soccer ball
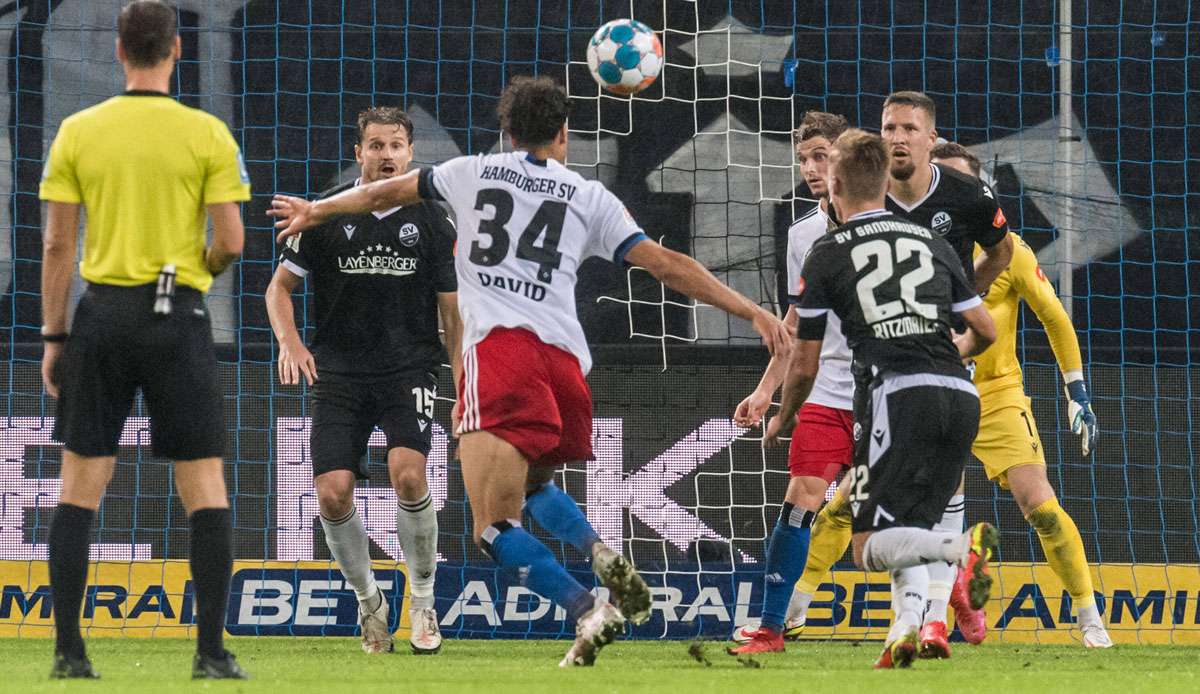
x,y
624,56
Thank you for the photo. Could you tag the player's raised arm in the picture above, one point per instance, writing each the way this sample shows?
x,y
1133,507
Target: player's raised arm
x,y
683,274
294,215
997,247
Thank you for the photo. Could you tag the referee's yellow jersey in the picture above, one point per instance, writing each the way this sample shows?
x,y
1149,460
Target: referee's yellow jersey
x,y
144,167
997,368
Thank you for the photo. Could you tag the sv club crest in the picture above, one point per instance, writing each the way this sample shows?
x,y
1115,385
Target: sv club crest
x,y
940,223
409,235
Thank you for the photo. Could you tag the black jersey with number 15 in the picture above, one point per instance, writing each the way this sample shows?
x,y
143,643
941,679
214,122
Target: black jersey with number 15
x,y
894,285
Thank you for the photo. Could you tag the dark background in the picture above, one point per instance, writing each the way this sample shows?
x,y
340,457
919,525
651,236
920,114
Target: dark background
x,y
302,70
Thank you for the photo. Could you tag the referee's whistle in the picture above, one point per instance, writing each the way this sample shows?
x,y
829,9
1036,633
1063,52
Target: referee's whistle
x,y
165,292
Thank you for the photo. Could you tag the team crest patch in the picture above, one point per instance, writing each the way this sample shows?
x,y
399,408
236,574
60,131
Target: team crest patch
x,y
941,223
857,431
409,234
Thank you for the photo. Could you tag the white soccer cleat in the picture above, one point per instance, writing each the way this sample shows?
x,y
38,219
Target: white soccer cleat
x,y
595,630
376,637
1095,636
426,637
792,628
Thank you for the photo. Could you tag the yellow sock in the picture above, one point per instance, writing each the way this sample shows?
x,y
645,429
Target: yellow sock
x,y
829,540
1064,551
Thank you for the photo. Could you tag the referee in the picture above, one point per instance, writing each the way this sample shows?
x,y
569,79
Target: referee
x,y
147,170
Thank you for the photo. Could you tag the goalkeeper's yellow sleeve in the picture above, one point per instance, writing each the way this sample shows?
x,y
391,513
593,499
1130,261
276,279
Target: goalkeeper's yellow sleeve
x,y
1032,286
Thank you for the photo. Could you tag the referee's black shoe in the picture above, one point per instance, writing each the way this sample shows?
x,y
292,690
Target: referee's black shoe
x,y
69,668
206,667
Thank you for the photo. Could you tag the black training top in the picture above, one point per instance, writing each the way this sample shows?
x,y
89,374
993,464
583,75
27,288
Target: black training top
x,y
375,279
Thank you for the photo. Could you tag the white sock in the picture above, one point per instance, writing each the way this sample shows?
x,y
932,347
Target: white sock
x,y
798,606
941,574
1090,615
347,540
909,588
417,530
900,548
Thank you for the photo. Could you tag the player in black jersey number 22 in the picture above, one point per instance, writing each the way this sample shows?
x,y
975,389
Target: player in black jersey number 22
x,y
894,285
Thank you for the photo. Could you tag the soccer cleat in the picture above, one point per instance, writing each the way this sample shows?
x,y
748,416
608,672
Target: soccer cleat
x,y
225,668
376,636
899,653
792,630
629,592
68,668
595,630
1095,636
763,641
934,643
970,621
982,542
426,637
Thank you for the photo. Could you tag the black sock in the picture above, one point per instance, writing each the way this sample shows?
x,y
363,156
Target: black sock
x,y
70,536
211,558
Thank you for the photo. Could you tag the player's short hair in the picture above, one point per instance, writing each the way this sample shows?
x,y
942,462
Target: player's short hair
x,y
915,99
384,115
953,150
819,124
533,109
862,164
147,32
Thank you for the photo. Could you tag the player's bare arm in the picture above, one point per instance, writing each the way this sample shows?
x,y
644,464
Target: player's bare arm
x,y
750,410
980,334
684,274
59,243
229,236
801,374
991,262
294,215
452,337
294,358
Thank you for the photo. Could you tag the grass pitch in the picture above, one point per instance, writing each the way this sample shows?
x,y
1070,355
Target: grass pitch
x,y
324,666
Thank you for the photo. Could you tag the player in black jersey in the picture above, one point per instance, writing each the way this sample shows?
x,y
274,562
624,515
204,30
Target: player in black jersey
x,y
959,208
380,281
894,285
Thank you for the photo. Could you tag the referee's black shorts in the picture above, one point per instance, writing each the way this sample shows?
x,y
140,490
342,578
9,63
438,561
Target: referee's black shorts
x,y
118,345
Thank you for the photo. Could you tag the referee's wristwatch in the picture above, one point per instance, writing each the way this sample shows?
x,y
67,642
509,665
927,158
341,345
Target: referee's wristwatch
x,y
54,337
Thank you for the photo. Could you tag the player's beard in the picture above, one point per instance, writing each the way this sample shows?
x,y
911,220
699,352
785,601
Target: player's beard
x,y
903,172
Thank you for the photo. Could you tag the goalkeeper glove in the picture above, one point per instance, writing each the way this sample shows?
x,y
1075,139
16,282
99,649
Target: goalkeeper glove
x,y
1079,411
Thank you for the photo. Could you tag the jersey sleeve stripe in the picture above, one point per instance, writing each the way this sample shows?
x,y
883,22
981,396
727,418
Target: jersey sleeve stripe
x,y
812,312
793,298
294,268
425,186
633,240
966,304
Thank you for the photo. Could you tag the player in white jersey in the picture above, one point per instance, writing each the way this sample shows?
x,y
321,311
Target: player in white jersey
x,y
525,222
822,446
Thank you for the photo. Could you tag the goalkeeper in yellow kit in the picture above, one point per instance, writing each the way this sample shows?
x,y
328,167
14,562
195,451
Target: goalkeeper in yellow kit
x,y
1007,443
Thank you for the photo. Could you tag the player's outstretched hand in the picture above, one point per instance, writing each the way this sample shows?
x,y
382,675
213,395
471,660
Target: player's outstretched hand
x,y
774,333
749,412
295,360
776,427
292,215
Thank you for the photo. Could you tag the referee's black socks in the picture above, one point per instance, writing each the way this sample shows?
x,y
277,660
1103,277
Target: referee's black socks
x,y
70,536
211,557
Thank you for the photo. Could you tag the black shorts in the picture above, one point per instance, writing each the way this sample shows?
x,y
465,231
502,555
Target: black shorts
x,y
913,436
347,409
118,345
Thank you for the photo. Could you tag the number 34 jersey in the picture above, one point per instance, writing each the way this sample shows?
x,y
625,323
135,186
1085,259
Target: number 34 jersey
x,y
893,284
524,226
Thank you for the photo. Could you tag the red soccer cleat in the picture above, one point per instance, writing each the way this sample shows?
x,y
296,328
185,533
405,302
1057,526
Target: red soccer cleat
x,y
970,621
984,540
934,643
899,653
763,641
